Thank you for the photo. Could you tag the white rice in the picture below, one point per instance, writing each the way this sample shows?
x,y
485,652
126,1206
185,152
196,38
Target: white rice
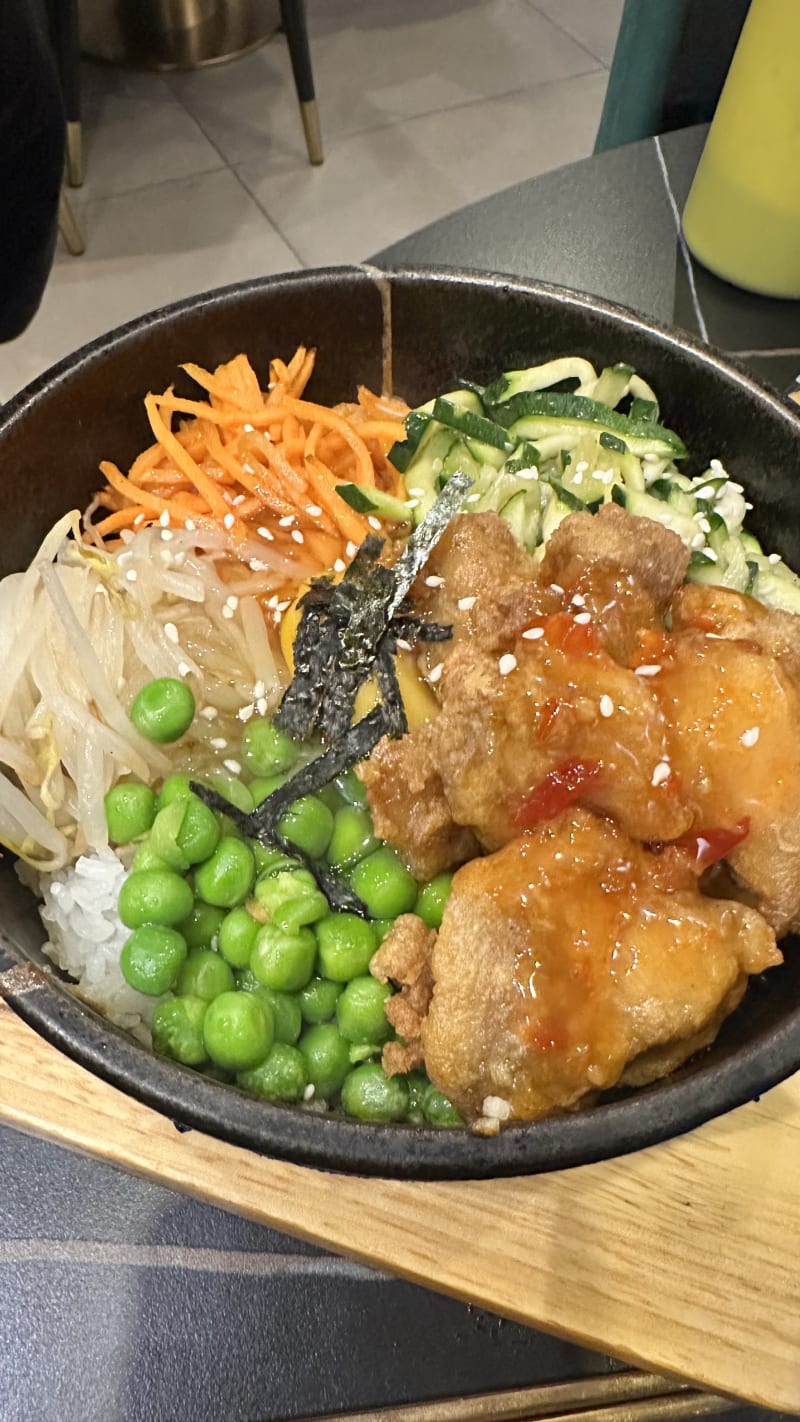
x,y
79,911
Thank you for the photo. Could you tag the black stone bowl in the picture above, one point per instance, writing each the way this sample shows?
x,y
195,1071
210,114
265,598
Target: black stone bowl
x,y
439,326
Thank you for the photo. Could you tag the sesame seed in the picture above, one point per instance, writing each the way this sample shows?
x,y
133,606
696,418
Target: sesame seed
x,y
218,742
314,510
209,713
532,634
581,466
661,773
434,581
507,663
749,738
606,476
339,565
286,521
259,689
557,588
473,498
282,606
233,766
265,533
184,668
496,1108
748,505
163,518
249,429
411,503
703,523
297,536
171,632
466,603
227,613
402,645
577,477
579,600
606,706
435,673
232,602
166,534
647,670
308,1092
374,522
138,521
261,706
272,601
774,558
698,540
717,466
257,566
131,575
351,549
238,500
583,618
245,712
416,493
707,492
190,524
651,458
229,520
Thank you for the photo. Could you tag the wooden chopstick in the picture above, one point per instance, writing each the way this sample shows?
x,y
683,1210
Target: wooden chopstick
x,y
613,1397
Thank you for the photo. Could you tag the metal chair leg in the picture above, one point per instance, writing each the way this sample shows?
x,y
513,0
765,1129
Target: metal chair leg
x,y
68,227
74,154
295,27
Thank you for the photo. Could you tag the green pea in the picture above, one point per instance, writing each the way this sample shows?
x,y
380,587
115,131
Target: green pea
x,y
205,975
152,957
281,1077
247,981
438,1110
264,785
226,878
308,823
418,1084
202,926
351,788
360,1011
154,896
146,858
330,796
185,832
283,961
346,945
130,809
432,898
163,710
292,899
271,861
175,787
237,937
238,1030
327,1057
384,884
232,789
178,1030
380,927
285,1011
353,836
265,749
370,1095
318,1000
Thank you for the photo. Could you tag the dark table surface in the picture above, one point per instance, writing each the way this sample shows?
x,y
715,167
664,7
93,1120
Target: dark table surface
x,y
125,1302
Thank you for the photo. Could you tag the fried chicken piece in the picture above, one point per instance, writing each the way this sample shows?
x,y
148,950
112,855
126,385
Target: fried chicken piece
x,y
404,957
408,806
573,956
504,728
737,617
654,556
488,589
735,750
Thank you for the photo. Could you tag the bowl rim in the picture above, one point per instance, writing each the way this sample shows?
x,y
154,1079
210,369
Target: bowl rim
x,y
669,1108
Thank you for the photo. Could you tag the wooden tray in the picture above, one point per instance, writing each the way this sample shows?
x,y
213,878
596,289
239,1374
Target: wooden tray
x,y
682,1258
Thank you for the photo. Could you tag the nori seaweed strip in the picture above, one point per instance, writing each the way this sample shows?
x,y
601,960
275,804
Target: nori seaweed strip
x,y
389,690
425,537
315,647
408,628
359,608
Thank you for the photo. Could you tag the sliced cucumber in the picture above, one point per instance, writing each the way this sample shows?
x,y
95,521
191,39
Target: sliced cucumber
x,y
534,416
523,515
472,425
612,384
375,501
777,586
643,505
539,377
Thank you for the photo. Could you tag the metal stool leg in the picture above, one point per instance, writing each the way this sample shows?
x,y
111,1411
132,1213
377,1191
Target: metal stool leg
x,y
293,19
68,227
63,16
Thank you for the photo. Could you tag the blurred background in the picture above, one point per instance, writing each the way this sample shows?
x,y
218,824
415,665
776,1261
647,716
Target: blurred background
x,y
196,178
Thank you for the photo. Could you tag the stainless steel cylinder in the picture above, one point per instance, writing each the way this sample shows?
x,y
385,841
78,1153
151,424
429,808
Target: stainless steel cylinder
x,y
174,34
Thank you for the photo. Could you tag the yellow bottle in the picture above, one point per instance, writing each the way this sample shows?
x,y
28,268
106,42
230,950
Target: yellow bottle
x,y
742,216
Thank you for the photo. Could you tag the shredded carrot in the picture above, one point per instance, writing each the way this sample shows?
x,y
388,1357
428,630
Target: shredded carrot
x,y
260,465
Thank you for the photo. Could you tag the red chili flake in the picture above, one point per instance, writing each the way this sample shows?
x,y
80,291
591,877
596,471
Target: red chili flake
x,y
708,846
559,789
576,639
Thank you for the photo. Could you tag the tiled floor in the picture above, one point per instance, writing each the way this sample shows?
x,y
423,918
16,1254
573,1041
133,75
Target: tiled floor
x,y
198,179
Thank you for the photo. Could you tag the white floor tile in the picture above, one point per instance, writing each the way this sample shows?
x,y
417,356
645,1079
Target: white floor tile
x,y
136,133
376,187
593,23
379,63
144,250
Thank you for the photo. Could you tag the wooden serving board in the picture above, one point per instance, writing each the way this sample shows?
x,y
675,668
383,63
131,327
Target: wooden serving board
x,y
682,1258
